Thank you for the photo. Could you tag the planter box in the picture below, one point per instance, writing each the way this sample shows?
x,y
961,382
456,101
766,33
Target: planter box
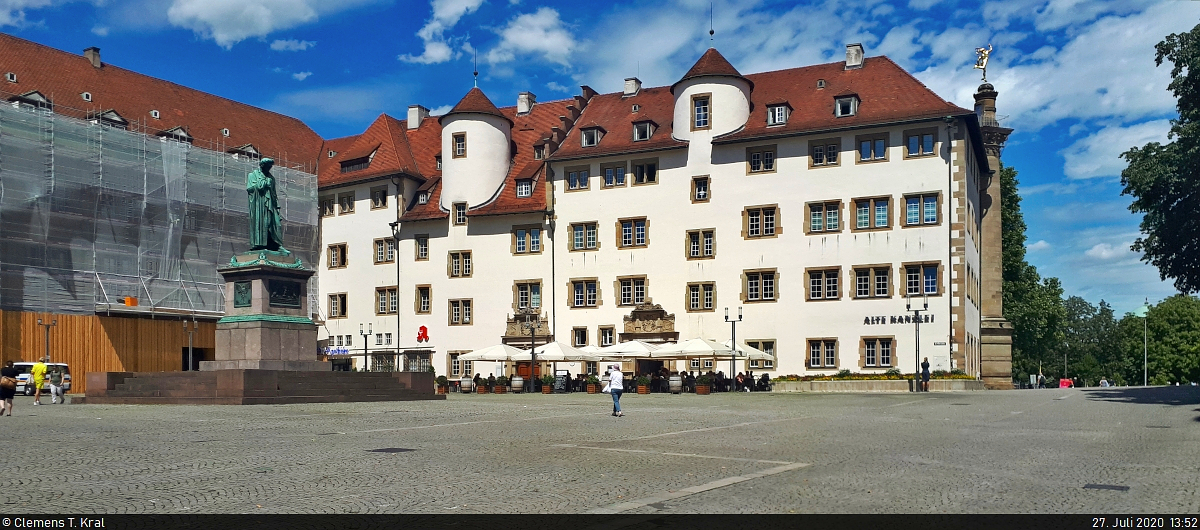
x,y
481,389
887,385
593,389
704,390
546,389
443,389
642,389
499,389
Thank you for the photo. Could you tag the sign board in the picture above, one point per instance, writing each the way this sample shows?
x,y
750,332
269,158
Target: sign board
x,y
560,383
336,350
939,343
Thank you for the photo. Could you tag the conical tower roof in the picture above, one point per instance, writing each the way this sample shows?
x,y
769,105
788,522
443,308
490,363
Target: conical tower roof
x,y
476,102
712,63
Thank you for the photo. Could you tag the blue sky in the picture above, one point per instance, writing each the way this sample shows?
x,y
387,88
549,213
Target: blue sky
x,y
1077,78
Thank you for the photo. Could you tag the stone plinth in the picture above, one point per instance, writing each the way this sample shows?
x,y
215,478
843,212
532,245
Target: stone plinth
x,y
266,326
995,353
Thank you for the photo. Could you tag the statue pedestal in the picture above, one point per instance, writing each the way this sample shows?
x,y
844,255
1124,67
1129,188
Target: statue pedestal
x,y
266,324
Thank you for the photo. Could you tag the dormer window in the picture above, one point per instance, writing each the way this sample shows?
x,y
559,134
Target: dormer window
x,y
590,137
636,107
331,154
642,131
777,114
154,114
539,152
846,106
423,197
820,84
356,164
178,134
110,118
460,145
87,96
524,188
34,99
11,77
247,151
225,133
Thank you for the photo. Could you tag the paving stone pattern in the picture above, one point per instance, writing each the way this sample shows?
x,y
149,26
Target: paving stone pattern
x,y
1023,451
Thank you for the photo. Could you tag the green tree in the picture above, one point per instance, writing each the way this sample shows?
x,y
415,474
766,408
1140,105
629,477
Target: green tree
x,y
1174,343
1165,179
1033,305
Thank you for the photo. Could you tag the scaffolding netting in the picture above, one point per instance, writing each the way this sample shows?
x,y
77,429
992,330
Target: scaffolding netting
x,y
92,214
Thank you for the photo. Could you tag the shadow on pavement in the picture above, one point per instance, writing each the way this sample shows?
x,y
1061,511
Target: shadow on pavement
x,y
1160,395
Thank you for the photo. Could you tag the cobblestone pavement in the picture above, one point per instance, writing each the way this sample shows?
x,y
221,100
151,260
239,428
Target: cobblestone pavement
x,y
1017,451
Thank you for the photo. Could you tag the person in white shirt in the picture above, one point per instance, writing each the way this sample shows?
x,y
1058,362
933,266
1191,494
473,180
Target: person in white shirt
x,y
615,387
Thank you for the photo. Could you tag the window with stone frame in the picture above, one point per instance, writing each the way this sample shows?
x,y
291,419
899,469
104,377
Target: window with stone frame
x,y
872,147
460,213
760,159
922,209
422,247
337,305
700,192
760,221
922,279
824,216
527,240
527,294
608,336
424,299
614,174
767,347
337,256
585,293
873,281
583,237
920,143
379,197
824,284
579,336
645,171
632,233
459,145
701,244
701,112
823,353
632,290
328,205
460,312
386,300
385,250
459,264
825,152
701,296
346,203
878,352
577,178
759,286
872,213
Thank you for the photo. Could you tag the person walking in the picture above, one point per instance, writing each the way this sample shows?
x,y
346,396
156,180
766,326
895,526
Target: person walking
x,y
616,385
38,375
8,388
55,377
925,375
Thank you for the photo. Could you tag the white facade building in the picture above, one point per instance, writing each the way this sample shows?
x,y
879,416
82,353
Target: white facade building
x,y
817,201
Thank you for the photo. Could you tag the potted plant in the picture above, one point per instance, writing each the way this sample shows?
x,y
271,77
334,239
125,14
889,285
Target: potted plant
x,y
443,384
483,387
643,384
703,385
593,384
547,384
501,385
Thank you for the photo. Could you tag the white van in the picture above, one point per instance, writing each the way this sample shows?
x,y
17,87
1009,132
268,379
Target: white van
x,y
25,385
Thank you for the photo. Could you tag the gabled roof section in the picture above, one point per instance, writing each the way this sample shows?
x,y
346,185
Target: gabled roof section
x,y
133,95
507,201
712,63
614,113
431,209
111,117
33,97
475,102
425,144
886,93
385,138
177,133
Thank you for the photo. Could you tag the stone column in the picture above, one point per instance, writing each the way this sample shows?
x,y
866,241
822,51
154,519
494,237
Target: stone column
x,y
995,339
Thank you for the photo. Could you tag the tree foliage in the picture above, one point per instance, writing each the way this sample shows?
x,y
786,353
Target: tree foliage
x,y
1165,179
1033,305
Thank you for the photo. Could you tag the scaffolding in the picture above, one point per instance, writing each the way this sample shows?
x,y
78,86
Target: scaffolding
x,y
91,214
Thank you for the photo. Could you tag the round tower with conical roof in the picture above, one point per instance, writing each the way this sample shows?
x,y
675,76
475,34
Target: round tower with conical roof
x,y
476,150
711,99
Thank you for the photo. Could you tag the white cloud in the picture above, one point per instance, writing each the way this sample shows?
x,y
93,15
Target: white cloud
x,y
1041,244
100,31
340,104
438,48
300,76
538,33
922,5
292,45
439,111
228,22
553,85
1106,251
12,12
899,44
1098,155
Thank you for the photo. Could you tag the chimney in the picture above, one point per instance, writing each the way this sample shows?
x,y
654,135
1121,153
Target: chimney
x,y
573,112
416,114
525,102
93,55
633,85
854,56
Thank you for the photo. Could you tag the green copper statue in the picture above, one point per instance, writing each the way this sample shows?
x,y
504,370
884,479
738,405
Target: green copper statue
x,y
265,232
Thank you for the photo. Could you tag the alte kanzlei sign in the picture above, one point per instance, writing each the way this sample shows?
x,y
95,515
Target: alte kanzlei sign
x,y
895,319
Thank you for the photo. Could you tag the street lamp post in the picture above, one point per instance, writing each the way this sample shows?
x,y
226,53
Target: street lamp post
x,y
52,323
1144,312
396,257
190,330
365,333
531,324
733,340
908,305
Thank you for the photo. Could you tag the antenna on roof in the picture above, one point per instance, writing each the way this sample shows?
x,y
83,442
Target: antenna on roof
x,y
476,68
710,25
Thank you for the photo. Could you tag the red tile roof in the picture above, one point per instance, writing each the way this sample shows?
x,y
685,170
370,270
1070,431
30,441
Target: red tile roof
x,y
528,130
475,102
425,144
711,63
886,93
431,209
614,113
63,77
387,139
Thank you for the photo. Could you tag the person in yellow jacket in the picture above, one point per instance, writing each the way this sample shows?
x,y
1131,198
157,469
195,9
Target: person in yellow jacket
x,y
38,374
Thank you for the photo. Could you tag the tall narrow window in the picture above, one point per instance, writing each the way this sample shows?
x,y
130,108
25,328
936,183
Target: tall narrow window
x,y
701,118
386,300
423,298
337,305
460,145
460,213
422,244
